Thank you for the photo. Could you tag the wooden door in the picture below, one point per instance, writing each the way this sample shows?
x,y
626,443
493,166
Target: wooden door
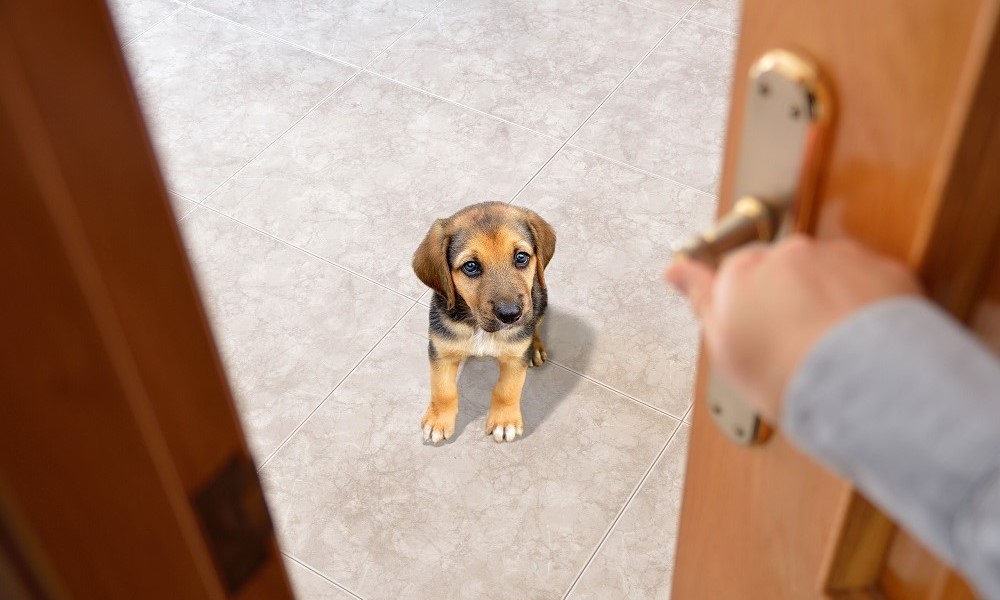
x,y
123,469
911,171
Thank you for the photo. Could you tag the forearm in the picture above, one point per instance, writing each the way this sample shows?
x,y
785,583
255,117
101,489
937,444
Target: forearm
x,y
903,402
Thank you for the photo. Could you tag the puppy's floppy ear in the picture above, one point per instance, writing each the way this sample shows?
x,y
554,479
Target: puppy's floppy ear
x,y
430,261
545,243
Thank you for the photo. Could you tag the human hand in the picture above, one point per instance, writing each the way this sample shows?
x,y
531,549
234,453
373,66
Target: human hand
x,y
767,306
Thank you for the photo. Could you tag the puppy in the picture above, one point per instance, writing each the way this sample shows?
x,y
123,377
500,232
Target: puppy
x,y
486,266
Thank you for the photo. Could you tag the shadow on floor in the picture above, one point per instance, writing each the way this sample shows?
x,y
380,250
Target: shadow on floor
x,y
545,388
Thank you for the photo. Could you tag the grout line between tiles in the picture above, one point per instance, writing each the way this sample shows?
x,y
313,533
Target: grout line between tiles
x,y
179,8
460,105
640,169
317,52
536,173
303,250
367,68
280,135
584,376
337,386
655,10
318,104
274,37
180,195
613,389
404,34
324,577
341,86
632,70
700,24
191,210
602,102
621,512
170,191
687,414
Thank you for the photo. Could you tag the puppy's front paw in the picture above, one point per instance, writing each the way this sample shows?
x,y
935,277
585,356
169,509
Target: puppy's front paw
x,y
538,353
437,426
504,424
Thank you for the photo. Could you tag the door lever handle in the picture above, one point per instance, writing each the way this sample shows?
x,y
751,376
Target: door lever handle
x,y
787,114
751,220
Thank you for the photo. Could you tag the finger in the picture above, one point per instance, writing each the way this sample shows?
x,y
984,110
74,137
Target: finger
x,y
694,280
745,259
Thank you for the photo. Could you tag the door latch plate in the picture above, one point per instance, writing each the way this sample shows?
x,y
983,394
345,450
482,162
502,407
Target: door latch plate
x,y
788,112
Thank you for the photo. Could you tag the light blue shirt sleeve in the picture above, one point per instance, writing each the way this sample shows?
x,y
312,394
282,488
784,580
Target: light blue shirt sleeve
x,y
904,402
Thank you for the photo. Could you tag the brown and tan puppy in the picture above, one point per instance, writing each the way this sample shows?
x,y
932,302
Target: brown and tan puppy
x,y
486,266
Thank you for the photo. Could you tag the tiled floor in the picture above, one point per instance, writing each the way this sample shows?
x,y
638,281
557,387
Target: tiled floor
x,y
308,145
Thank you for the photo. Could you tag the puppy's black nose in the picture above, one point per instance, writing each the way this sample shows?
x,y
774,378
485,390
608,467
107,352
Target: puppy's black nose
x,y
507,312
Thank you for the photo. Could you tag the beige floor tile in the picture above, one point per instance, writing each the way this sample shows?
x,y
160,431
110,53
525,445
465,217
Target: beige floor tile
x,y
351,30
543,64
132,17
215,94
289,326
361,180
669,116
359,497
310,586
724,14
611,316
636,561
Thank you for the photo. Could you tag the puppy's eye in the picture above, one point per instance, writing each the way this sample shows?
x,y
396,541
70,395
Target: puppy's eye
x,y
521,259
471,268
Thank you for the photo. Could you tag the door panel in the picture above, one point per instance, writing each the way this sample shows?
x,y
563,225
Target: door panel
x,y
912,112
123,469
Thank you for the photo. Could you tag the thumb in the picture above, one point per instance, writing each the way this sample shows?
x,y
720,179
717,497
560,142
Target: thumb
x,y
694,280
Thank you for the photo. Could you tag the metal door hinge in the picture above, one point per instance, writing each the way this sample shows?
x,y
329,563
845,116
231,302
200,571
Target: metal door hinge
x,y
236,522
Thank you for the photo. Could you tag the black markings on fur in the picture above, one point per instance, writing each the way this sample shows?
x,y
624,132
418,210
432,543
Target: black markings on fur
x,y
523,332
439,325
455,246
539,301
431,350
460,313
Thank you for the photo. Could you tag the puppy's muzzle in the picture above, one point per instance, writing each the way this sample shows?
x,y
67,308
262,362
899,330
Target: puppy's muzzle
x,y
508,312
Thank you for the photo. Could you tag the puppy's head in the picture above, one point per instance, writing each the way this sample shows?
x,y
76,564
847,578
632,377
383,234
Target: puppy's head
x,y
490,255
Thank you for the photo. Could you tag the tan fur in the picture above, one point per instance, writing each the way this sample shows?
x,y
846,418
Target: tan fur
x,y
490,234
443,408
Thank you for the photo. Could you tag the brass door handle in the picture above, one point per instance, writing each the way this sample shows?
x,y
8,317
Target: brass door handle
x,y
788,112
751,220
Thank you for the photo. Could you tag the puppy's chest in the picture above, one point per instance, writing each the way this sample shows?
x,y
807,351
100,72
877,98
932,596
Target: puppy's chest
x,y
482,343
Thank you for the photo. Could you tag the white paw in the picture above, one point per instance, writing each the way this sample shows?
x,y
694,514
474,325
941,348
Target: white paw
x,y
506,434
435,435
